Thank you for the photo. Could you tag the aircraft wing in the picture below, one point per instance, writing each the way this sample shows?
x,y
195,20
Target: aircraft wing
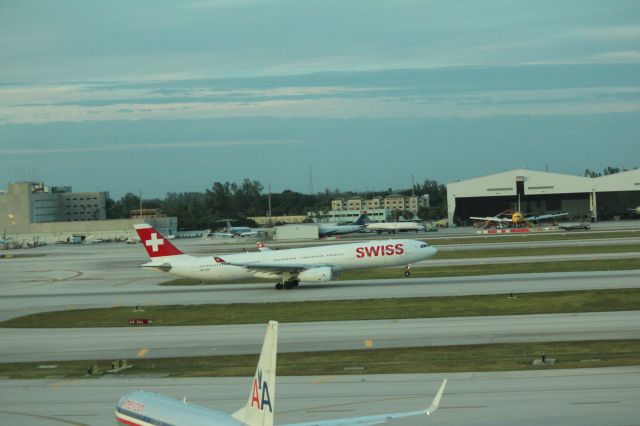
x,y
379,418
273,267
492,219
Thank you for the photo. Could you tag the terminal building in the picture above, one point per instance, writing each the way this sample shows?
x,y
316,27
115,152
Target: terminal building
x,y
584,198
33,212
396,202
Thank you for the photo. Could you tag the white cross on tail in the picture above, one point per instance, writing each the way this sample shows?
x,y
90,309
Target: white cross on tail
x,y
154,242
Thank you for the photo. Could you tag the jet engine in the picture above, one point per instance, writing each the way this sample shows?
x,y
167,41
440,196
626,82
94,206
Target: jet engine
x,y
320,274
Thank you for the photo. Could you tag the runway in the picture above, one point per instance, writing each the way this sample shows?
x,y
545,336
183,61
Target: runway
x,y
602,396
46,345
107,288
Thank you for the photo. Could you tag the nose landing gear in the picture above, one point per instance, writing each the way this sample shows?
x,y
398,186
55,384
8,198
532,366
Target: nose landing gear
x,y
407,271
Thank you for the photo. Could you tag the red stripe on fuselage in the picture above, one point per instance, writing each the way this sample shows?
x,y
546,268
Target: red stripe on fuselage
x,y
127,422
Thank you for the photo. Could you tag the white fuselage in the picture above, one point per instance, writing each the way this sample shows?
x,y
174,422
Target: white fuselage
x,y
393,227
339,257
146,409
326,229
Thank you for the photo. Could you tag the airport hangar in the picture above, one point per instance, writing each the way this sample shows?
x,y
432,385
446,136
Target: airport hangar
x,y
584,198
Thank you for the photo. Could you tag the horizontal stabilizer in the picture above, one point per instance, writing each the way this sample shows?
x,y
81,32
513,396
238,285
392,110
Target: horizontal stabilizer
x,y
164,267
380,418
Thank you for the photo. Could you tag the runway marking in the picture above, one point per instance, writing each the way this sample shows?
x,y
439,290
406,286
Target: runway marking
x,y
143,352
368,343
64,382
594,402
456,407
325,379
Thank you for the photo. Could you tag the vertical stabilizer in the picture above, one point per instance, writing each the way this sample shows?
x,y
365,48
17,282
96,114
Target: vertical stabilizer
x,y
363,219
155,243
259,410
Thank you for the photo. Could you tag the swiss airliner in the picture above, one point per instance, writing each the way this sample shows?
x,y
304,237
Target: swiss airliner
x,y
145,408
290,267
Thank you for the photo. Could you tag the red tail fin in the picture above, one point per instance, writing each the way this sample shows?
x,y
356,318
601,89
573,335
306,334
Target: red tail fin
x,y
154,242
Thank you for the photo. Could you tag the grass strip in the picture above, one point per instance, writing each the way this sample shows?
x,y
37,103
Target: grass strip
x,y
498,269
341,310
536,251
550,236
489,357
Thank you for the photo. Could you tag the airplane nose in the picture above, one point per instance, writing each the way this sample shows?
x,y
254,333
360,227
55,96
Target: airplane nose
x,y
433,251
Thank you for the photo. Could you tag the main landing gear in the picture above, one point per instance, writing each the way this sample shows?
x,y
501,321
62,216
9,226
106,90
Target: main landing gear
x,y
407,271
288,284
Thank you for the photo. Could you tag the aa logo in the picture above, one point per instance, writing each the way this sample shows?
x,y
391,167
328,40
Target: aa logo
x,y
260,395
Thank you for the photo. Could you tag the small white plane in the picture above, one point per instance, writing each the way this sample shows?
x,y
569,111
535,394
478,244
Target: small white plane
x,y
290,266
233,231
635,210
395,227
146,408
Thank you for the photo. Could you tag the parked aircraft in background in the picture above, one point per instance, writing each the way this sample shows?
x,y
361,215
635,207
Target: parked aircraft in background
x,y
395,227
441,223
331,229
146,408
290,266
635,210
508,218
233,231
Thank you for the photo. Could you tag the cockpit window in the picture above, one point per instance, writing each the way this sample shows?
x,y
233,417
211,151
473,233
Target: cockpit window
x,y
424,245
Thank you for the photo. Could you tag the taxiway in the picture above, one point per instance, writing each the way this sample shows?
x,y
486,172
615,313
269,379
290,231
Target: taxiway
x,y
598,396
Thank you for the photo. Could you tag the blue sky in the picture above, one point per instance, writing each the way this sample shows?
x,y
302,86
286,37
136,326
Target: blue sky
x,y
171,96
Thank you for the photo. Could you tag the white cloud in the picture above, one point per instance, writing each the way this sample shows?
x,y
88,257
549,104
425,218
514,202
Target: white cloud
x,y
613,33
325,104
143,146
621,56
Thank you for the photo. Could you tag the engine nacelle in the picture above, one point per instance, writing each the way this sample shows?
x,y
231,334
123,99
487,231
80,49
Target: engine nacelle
x,y
323,273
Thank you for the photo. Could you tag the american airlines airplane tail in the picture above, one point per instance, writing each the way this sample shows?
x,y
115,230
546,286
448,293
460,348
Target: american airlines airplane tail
x,y
141,408
260,406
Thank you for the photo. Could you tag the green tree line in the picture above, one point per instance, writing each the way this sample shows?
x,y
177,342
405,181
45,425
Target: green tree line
x,y
202,210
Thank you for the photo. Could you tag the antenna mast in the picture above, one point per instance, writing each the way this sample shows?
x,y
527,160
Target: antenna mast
x,y
310,180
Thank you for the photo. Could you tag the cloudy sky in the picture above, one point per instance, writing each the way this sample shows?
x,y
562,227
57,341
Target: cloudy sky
x,y
170,96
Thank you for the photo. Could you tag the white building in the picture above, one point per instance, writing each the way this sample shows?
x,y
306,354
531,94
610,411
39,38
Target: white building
x,y
27,203
348,216
584,198
397,202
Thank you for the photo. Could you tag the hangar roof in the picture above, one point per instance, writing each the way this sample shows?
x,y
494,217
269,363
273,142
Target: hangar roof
x,y
536,182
